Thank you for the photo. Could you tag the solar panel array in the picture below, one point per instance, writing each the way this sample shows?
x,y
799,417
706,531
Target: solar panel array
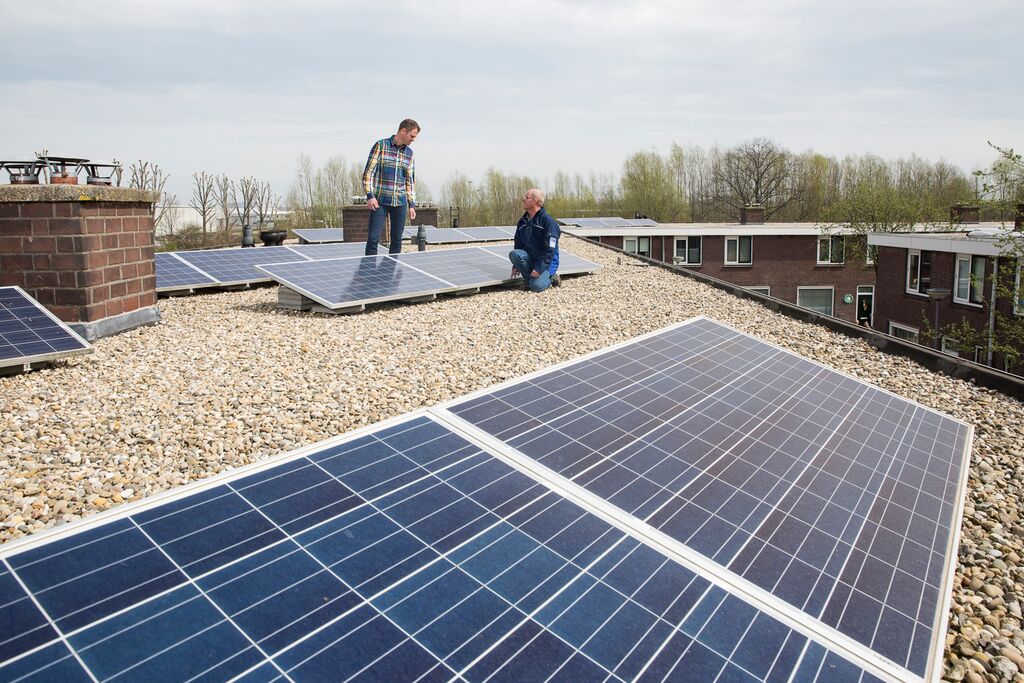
x,y
29,333
188,270
608,222
351,283
319,235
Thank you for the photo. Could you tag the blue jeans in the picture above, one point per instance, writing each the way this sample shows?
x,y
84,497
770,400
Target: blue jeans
x,y
397,215
521,261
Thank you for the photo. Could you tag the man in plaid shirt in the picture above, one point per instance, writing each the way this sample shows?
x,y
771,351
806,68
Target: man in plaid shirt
x,y
389,180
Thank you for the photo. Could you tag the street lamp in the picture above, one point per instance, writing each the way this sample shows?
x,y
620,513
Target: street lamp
x,y
937,294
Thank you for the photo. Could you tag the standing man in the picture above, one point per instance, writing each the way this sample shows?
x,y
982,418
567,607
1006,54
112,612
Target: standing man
x,y
536,244
389,180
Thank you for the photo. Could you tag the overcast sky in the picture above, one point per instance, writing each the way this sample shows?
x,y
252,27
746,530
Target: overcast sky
x,y
243,87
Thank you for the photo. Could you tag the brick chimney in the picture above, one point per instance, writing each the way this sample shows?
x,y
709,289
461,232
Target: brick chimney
x,y
355,220
964,214
752,214
84,252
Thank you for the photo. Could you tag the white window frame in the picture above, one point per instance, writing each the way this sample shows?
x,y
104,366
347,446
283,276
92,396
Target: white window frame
x,y
917,292
682,260
969,259
832,300
828,239
904,328
760,289
636,245
736,239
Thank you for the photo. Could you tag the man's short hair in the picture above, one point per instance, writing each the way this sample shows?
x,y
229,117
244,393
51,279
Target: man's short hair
x,y
408,124
537,194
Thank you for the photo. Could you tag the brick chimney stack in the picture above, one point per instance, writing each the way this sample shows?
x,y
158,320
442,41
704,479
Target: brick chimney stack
x,y
752,214
964,214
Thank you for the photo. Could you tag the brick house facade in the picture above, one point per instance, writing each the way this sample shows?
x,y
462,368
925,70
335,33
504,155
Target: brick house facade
x,y
964,265
784,260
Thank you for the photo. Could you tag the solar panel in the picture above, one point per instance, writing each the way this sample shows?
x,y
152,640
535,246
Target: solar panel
x,y
317,235
461,267
839,500
568,264
325,251
608,222
487,233
356,281
173,274
237,266
405,551
29,333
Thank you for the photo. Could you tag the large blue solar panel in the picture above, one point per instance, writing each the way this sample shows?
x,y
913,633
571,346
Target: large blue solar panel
x,y
405,553
172,273
30,333
568,264
461,267
608,222
833,496
355,281
319,252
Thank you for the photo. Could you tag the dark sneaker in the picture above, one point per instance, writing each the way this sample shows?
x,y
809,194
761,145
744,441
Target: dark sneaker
x,y
556,280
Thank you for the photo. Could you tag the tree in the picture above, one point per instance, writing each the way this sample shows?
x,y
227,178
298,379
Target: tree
x,y
649,187
145,175
225,188
265,203
203,199
243,197
757,171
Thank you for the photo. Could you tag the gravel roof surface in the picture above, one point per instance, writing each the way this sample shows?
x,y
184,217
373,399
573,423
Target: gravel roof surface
x,y
227,379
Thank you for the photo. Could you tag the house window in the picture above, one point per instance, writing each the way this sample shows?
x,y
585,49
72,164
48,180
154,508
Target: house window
x,y
903,332
919,271
688,251
766,290
815,298
831,250
869,255
739,250
970,278
638,245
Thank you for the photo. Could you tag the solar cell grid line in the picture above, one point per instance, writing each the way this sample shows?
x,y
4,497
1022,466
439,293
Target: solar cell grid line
x,y
173,273
182,614
29,333
952,458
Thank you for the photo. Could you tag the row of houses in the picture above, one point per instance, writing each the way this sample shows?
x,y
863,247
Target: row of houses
x,y
911,285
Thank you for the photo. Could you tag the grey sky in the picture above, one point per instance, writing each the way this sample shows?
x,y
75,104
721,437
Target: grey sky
x,y
243,87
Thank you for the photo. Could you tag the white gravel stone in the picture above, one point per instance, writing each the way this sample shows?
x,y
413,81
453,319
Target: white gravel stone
x,y
227,379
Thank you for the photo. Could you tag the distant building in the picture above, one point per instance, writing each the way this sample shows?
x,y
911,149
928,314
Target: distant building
x,y
794,262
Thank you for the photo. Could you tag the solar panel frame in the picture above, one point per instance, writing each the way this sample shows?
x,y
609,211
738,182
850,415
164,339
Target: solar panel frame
x,y
845,642
26,323
697,630
237,266
320,235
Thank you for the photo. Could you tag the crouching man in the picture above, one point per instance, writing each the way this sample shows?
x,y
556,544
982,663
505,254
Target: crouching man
x,y
535,253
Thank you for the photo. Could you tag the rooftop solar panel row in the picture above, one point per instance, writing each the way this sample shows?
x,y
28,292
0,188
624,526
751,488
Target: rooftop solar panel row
x,y
319,235
346,283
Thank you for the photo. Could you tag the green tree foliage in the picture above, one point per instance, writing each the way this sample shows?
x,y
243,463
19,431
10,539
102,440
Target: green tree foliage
x,y
650,187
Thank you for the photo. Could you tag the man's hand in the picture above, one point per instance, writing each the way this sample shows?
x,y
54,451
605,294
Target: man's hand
x,y
534,274
515,273
373,204
412,213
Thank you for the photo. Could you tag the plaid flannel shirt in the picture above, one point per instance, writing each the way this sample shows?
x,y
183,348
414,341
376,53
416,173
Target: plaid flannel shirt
x,y
390,174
